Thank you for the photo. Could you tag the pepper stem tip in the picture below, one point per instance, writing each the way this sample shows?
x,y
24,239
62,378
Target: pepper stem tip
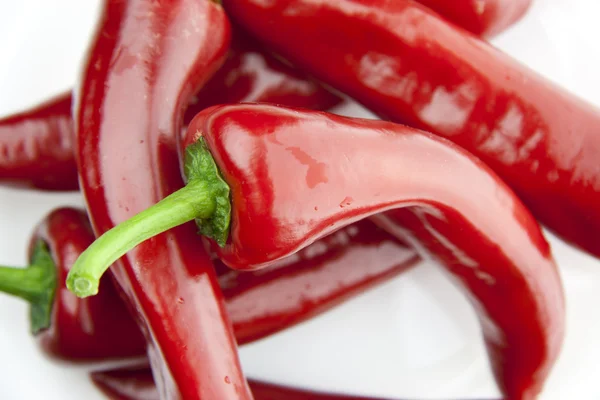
x,y
205,199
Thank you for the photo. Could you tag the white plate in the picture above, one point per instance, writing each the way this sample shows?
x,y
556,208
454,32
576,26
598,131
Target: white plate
x,y
414,337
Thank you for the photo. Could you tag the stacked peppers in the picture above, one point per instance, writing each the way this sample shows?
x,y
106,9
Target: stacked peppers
x,y
281,193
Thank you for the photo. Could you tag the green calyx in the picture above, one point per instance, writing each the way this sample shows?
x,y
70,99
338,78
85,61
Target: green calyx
x,y
199,165
35,284
204,199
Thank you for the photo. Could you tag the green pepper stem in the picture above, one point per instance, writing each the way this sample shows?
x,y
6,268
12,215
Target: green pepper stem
x,y
205,199
36,284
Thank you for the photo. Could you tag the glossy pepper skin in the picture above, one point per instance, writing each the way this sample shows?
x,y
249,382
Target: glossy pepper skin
x,y
145,62
482,17
97,331
139,385
405,63
297,175
313,280
264,181
251,74
36,146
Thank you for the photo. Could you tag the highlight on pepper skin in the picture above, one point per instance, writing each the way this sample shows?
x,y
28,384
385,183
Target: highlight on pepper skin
x,y
235,152
224,222
90,331
446,81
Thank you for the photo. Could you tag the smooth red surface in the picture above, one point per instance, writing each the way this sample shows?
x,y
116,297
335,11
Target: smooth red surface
x,y
139,385
36,146
297,175
313,280
410,66
482,17
93,330
250,74
146,61
310,282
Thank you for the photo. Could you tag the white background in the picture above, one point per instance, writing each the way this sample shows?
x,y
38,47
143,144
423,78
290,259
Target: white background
x,y
413,337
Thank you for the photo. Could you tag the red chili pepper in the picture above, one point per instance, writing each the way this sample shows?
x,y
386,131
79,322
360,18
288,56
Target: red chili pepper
x,y
294,176
407,64
482,17
139,385
99,328
36,148
312,281
93,330
250,74
146,61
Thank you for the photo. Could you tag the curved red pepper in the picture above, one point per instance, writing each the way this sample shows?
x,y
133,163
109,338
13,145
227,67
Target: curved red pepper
x,y
482,17
36,146
407,64
146,60
316,172
313,280
95,330
294,176
139,385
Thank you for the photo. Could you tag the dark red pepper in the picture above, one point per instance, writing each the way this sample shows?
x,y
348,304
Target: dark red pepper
x,y
313,280
404,62
36,146
482,17
94,330
146,61
100,329
139,385
250,74
294,176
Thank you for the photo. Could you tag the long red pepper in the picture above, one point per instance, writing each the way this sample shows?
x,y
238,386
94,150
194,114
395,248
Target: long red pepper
x,y
96,330
139,385
482,17
313,280
294,176
100,330
36,146
407,64
146,60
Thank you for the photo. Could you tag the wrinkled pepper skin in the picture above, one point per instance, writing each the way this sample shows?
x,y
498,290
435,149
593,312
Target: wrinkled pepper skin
x,y
36,147
317,172
145,62
313,280
96,331
139,385
405,63
482,17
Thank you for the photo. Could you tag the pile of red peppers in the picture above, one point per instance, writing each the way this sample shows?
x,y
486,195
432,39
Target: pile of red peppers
x,y
228,203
